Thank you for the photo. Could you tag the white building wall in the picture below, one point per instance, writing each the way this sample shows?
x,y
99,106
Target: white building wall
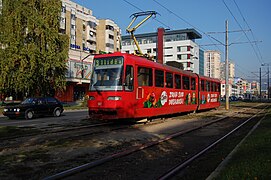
x,y
170,52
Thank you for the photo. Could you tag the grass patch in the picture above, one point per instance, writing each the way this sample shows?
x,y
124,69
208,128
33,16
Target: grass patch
x,y
253,158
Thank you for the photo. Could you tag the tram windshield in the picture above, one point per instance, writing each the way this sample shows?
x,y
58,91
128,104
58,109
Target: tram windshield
x,y
107,74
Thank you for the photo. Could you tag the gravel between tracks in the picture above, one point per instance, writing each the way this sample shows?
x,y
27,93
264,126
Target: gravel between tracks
x,y
34,162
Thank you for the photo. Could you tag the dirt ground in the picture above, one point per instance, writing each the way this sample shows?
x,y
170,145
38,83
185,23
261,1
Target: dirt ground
x,y
44,155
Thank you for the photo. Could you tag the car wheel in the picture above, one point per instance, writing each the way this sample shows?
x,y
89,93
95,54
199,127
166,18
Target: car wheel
x,y
57,112
29,114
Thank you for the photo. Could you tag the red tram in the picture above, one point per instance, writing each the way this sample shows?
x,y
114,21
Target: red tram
x,y
125,86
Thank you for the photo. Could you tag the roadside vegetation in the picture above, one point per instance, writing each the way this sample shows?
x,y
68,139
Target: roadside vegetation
x,y
33,55
253,159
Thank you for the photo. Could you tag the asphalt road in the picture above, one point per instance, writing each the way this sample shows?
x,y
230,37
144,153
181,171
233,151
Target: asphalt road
x,y
68,116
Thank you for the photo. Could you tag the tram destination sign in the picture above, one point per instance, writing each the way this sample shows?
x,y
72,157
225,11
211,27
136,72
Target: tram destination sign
x,y
108,61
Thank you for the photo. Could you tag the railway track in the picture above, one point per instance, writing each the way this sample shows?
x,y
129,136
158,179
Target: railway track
x,y
52,130
136,155
71,149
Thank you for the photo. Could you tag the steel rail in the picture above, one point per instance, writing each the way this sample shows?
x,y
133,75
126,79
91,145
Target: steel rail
x,y
179,167
45,131
87,166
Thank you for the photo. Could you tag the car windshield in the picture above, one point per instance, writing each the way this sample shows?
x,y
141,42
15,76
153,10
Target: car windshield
x,y
107,74
29,101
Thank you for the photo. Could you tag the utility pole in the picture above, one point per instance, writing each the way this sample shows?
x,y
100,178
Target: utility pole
x,y
227,107
268,83
260,85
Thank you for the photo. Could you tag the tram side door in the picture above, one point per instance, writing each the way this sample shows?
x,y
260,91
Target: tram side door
x,y
129,87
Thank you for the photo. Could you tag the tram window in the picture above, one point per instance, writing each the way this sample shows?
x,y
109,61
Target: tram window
x,y
177,81
217,87
169,80
129,78
207,86
212,86
193,84
186,82
159,78
202,85
144,77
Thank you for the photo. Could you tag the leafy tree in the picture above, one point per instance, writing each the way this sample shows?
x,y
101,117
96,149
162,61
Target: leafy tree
x,y
33,53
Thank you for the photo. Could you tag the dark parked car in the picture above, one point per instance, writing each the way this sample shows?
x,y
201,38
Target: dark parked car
x,y
32,107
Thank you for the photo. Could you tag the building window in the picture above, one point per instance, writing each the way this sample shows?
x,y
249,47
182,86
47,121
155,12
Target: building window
x,y
111,37
182,56
62,20
108,27
63,9
92,24
72,26
109,45
92,34
182,49
73,16
148,50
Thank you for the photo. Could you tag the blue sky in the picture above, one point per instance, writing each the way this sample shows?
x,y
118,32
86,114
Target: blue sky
x,y
205,16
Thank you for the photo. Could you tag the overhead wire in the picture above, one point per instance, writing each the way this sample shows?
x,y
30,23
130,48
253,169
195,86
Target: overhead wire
x,y
179,17
248,27
243,31
143,10
211,38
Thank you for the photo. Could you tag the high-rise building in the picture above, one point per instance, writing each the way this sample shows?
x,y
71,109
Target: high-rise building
x,y
179,46
231,70
201,62
212,63
108,36
87,36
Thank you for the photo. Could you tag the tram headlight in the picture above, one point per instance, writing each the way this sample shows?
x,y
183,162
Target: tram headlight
x,y
114,98
91,98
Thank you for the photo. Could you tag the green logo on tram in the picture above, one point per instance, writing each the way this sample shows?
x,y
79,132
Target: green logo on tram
x,y
108,61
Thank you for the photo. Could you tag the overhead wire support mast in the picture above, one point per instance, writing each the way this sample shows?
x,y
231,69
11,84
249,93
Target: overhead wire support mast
x,y
130,30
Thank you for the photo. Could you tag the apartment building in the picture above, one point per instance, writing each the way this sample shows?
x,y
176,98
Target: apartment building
x,y
179,45
108,36
231,70
88,35
212,63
